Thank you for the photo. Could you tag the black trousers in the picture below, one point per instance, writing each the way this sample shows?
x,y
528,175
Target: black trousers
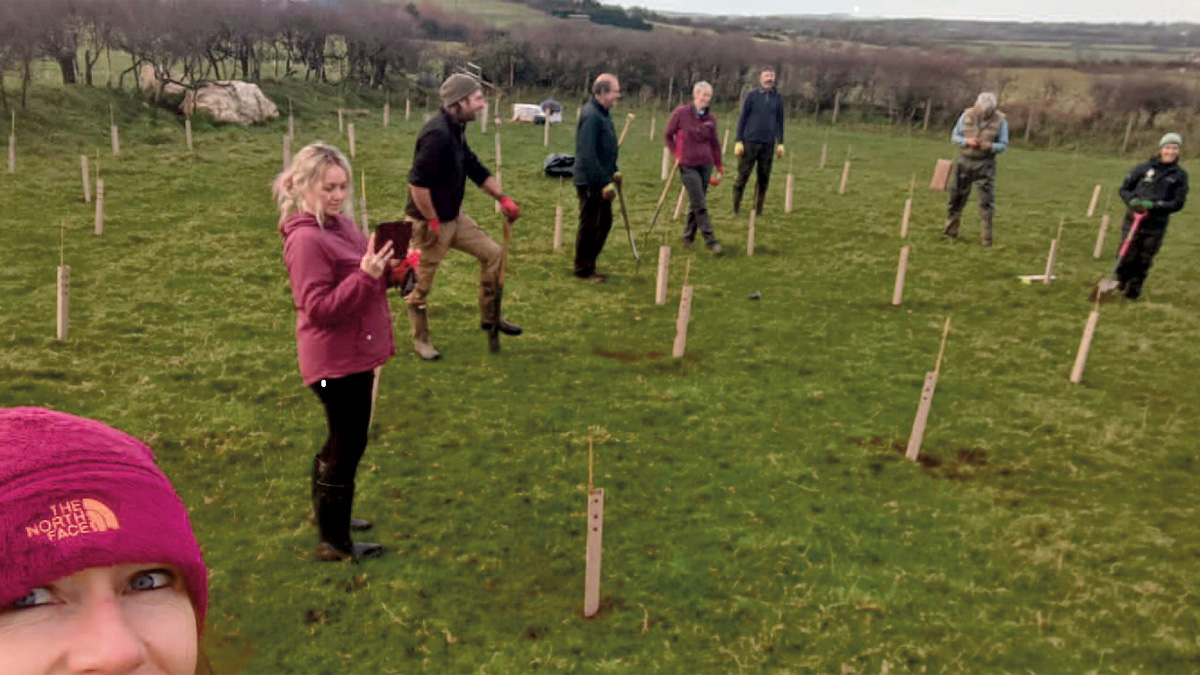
x,y
695,182
595,220
760,156
347,402
1135,266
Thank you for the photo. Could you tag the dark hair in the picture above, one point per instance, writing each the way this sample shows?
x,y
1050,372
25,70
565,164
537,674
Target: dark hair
x,y
766,69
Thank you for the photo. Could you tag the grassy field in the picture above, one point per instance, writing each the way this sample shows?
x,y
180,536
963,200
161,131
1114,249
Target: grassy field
x,y
760,515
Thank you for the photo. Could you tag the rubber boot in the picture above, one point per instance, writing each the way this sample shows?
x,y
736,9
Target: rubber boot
x,y
334,503
985,231
318,469
420,334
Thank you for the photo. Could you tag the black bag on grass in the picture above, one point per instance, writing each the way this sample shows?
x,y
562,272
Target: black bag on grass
x,y
559,165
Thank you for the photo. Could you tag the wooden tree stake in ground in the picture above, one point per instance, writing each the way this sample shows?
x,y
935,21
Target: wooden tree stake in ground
x,y
1053,255
1092,204
341,121
922,418
99,207
366,223
907,207
407,109
287,151
87,179
750,233
824,155
63,312
1085,344
115,137
187,132
1128,131
725,142
789,185
546,133
666,161
845,175
291,120
653,120
483,118
497,148
558,227
837,105
353,141
664,264
387,113
941,174
12,145
901,270
681,324
928,108
1100,237
595,539
679,203
624,129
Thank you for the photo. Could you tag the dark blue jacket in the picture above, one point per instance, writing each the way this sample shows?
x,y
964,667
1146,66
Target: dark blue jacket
x,y
595,146
762,117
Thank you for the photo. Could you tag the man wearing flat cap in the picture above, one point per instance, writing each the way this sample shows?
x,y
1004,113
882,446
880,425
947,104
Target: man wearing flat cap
x,y
981,134
442,163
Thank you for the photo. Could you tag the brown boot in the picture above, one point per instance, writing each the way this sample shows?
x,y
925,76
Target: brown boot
x,y
985,231
951,229
420,334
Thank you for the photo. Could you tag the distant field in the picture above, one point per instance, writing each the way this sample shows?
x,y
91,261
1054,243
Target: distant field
x,y
1062,51
493,12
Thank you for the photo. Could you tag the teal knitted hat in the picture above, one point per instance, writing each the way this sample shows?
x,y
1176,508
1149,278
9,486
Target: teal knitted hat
x,y
1170,139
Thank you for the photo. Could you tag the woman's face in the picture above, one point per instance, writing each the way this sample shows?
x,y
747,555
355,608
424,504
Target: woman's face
x,y
1169,153
701,97
326,195
121,619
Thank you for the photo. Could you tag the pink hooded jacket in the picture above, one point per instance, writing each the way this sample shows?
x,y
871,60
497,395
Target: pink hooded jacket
x,y
343,323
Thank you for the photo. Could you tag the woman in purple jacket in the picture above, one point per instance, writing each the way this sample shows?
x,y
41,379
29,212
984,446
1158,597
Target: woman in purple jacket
x,y
343,328
691,136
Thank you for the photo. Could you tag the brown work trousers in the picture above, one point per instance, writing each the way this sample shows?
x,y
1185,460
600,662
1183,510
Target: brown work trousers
x,y
463,234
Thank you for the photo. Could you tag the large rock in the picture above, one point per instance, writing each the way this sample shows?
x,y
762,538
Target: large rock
x,y
160,84
231,101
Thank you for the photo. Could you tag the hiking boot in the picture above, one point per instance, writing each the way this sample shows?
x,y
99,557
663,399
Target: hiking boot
x,y
716,249
420,333
506,327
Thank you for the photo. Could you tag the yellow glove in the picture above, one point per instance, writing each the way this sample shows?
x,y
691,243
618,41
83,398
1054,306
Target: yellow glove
x,y
779,151
609,191
739,149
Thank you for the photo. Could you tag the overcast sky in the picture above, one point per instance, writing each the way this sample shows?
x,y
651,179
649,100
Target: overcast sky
x,y
1008,10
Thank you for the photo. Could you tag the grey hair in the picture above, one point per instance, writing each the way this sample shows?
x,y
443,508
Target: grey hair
x,y
696,88
986,102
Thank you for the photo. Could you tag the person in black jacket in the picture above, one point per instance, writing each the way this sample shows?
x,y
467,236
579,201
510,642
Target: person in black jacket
x,y
759,138
596,175
1157,188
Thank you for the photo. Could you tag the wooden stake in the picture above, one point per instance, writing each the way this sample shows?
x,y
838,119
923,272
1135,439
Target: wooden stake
x,y
1085,344
499,181
387,113
750,234
652,122
12,145
407,109
287,151
483,118
788,185
666,162
725,142
374,395
187,132
498,148
837,105
941,175
919,423
366,223
595,538
87,179
99,228
350,131
907,207
291,120
341,121
1128,131
1050,259
681,324
1029,126
63,313
1092,204
845,177
115,137
901,270
679,203
546,134
928,108
664,264
1100,237
624,129
558,227
824,154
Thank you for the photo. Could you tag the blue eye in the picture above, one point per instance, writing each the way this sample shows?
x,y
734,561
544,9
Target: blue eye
x,y
35,597
150,580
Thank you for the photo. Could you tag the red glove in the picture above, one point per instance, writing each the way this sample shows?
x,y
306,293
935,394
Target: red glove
x,y
509,208
435,226
715,179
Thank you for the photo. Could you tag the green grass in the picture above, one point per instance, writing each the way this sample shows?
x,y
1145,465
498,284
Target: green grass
x,y
759,514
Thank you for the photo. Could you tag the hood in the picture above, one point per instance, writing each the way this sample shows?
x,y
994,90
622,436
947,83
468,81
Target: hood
x,y
301,219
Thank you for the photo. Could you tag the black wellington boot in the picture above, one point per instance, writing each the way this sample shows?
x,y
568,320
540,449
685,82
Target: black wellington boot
x,y
318,469
737,200
333,520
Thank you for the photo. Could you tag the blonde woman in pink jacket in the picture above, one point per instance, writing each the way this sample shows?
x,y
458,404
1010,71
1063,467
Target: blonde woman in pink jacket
x,y
343,328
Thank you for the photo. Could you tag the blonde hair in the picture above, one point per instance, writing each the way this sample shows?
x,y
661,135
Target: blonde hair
x,y
308,167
